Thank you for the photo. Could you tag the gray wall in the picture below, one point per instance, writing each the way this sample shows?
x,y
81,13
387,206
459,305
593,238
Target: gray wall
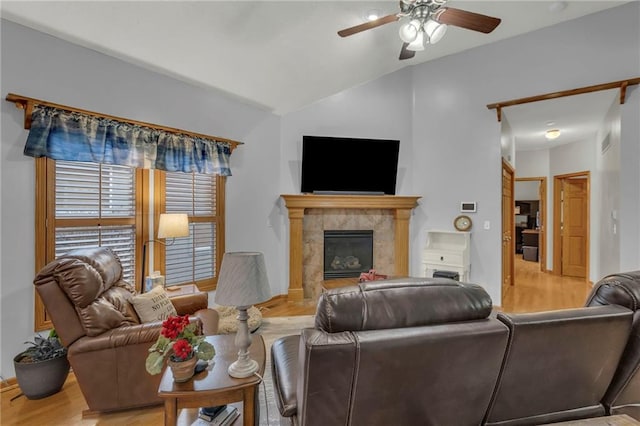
x,y
450,141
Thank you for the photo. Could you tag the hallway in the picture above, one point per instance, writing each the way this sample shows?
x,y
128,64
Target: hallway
x,y
537,291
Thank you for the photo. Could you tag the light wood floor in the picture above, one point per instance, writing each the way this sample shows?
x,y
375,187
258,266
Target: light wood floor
x,y
533,291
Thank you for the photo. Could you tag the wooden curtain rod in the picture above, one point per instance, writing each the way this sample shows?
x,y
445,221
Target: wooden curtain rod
x,y
622,84
27,104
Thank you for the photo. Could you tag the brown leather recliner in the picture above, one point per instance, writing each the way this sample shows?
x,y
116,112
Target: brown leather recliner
x,y
90,308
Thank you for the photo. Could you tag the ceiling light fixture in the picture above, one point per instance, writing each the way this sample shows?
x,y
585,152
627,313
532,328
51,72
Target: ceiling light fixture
x,y
422,26
552,134
557,6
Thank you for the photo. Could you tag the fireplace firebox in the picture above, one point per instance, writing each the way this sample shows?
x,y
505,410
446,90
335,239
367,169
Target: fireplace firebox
x,y
347,253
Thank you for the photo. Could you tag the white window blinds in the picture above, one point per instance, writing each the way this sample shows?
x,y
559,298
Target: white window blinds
x,y
95,206
192,259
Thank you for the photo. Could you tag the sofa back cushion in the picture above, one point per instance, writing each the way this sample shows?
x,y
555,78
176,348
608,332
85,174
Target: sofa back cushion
x,y
558,364
397,303
410,376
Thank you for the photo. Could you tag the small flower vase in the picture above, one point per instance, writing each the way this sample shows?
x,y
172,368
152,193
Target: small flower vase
x,y
183,370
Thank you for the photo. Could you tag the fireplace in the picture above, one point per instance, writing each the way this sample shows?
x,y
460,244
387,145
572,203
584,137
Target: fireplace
x,y
347,253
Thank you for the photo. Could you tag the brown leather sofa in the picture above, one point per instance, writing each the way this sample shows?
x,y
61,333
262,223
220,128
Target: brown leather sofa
x,y
431,352
623,395
89,306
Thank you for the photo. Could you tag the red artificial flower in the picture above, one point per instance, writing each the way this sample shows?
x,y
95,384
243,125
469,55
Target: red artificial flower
x,y
182,349
174,325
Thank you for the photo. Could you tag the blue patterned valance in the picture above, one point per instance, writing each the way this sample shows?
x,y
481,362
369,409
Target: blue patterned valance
x,y
74,136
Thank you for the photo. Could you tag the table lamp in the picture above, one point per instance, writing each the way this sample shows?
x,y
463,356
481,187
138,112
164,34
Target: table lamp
x,y
170,225
242,283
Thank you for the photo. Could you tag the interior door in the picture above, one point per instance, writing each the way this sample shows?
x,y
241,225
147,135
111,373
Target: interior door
x,y
508,223
574,227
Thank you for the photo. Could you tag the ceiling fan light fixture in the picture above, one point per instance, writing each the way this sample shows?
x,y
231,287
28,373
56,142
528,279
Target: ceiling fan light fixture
x,y
409,31
435,30
417,44
552,134
408,2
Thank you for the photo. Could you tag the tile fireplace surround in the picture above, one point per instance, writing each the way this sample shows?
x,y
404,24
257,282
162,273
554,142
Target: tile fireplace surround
x,y
309,215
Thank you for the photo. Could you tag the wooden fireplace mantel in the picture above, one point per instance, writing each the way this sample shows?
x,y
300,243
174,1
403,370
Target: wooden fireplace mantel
x,y
296,205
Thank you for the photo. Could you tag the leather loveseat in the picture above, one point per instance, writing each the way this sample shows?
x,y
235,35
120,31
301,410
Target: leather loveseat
x,y
431,352
89,305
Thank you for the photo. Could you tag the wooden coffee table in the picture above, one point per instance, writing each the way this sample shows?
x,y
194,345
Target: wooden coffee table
x,y
216,387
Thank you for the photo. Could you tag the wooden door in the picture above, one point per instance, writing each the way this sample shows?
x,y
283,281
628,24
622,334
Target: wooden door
x,y
574,227
508,230
542,238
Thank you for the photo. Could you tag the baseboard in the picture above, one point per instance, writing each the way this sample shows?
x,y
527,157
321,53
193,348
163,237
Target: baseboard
x,y
276,300
8,384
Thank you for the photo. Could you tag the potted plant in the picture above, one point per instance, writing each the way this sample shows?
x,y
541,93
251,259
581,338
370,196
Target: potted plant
x,y
42,369
178,341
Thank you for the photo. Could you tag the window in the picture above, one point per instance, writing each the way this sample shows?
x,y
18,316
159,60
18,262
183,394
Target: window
x,y
194,259
89,204
85,205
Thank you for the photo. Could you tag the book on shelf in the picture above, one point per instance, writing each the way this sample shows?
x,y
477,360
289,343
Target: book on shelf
x,y
209,413
224,415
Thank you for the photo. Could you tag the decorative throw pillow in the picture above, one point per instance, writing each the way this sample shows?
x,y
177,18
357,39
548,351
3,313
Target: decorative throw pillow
x,y
153,306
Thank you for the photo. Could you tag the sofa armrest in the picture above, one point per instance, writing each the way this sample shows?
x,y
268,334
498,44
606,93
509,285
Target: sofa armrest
x,y
187,304
284,370
124,336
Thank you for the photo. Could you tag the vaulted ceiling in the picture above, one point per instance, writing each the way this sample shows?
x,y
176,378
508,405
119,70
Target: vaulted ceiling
x,y
280,55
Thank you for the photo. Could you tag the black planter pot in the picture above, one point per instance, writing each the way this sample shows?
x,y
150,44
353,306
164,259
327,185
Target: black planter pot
x,y
40,379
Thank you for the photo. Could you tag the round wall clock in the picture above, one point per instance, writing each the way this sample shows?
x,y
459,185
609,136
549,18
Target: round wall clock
x,y
462,223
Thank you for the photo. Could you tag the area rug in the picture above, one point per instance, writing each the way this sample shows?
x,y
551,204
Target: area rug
x,y
272,329
228,319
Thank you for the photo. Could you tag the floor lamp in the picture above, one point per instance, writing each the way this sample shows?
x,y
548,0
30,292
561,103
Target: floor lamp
x,y
242,282
170,225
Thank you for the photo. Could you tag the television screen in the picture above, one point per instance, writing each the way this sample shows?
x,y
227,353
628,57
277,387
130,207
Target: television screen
x,y
349,165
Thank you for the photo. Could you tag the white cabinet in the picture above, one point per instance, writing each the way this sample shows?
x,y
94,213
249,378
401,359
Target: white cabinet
x,y
448,251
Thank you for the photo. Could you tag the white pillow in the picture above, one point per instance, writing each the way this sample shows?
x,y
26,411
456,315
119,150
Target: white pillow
x,y
153,306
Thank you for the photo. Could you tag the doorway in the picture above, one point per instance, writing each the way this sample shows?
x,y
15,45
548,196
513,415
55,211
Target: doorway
x,y
537,223
571,239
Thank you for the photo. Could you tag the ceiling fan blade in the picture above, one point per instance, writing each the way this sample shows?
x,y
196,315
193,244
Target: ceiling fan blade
x,y
368,25
469,20
406,53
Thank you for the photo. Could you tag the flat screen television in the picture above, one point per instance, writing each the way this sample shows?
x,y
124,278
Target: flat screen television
x,y
349,165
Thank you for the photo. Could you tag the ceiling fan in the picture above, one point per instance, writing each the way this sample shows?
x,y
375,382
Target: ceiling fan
x,y
425,23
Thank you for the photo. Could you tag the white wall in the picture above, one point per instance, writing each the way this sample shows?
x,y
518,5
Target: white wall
x,y
450,148
43,67
533,163
606,254
573,157
527,190
507,143
629,229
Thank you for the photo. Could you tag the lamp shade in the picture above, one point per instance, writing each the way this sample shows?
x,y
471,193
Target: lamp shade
x,y
173,225
242,280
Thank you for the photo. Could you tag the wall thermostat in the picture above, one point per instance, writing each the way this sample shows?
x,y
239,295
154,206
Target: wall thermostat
x,y
468,206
